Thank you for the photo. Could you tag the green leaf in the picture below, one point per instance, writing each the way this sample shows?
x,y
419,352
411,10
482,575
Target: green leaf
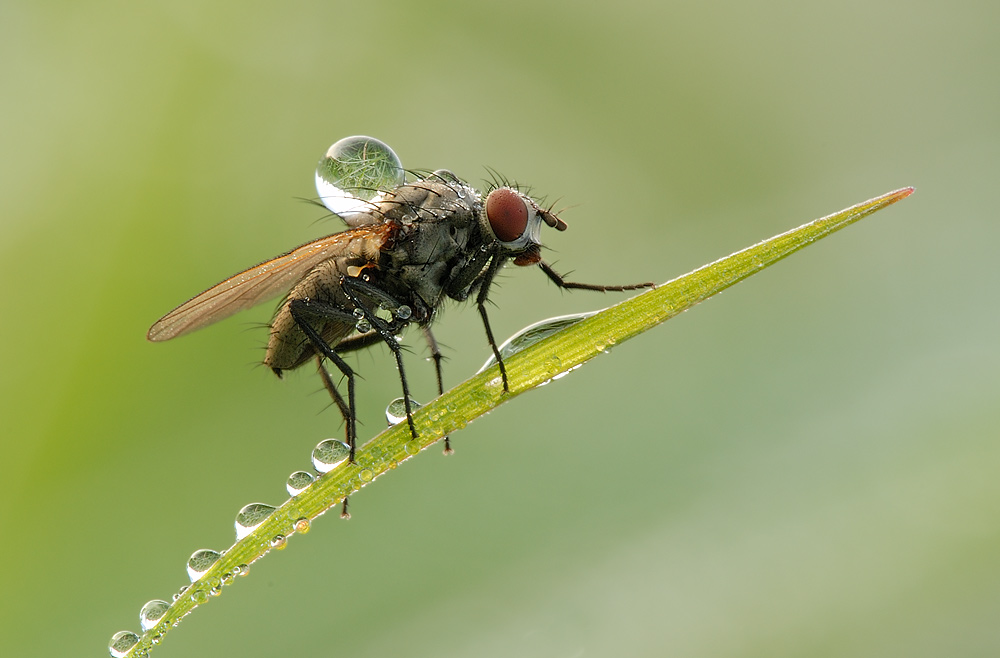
x,y
527,369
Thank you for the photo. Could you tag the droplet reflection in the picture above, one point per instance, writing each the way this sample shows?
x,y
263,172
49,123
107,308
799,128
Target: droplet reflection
x,y
354,170
297,482
200,562
152,613
329,454
395,411
250,517
121,643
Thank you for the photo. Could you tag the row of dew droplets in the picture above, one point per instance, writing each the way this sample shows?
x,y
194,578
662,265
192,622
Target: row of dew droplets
x,y
326,456
248,518
154,611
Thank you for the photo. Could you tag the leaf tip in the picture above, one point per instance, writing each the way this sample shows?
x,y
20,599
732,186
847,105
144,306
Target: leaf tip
x,y
889,198
902,193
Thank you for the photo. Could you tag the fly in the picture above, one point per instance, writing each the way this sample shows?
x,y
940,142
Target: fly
x,y
410,246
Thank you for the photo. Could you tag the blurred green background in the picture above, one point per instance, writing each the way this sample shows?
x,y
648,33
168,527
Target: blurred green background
x,y
806,465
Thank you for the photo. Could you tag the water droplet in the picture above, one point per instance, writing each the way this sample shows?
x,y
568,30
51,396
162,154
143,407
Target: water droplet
x,y
152,613
279,542
358,314
302,525
353,171
534,333
250,517
241,570
329,454
367,475
200,562
297,482
411,447
395,412
199,596
404,312
363,326
121,643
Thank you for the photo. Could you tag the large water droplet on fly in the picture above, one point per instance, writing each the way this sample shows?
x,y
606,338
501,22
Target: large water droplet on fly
x,y
297,482
395,412
329,454
354,171
200,562
250,517
534,333
121,642
152,613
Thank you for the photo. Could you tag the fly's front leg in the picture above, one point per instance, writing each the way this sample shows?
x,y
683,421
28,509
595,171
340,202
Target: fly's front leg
x,y
304,310
484,291
571,285
357,291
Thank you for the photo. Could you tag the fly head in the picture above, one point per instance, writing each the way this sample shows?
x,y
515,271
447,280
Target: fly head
x,y
514,220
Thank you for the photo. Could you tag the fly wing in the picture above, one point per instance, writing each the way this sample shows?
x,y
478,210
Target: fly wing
x,y
260,283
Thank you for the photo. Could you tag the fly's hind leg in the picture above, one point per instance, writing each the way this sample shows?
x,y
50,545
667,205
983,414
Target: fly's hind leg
x,y
345,411
305,310
331,388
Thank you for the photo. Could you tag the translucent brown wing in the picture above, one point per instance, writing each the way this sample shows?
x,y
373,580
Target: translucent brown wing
x,y
259,283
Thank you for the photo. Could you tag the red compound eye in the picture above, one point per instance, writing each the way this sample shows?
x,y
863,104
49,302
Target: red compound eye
x,y
507,214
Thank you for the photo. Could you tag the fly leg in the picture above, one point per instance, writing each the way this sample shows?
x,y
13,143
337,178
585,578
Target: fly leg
x,y
331,388
570,285
304,310
349,344
437,358
358,291
481,297
345,411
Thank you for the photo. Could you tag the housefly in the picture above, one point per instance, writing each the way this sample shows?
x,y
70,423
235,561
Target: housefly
x,y
409,247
